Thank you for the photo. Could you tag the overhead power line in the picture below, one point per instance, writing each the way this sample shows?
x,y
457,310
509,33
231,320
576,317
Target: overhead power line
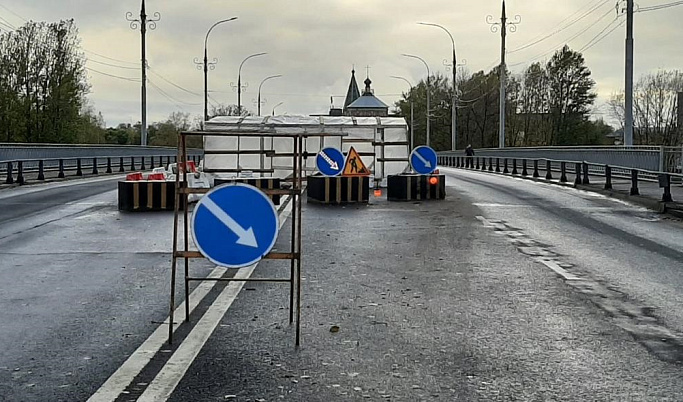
x,y
599,37
111,58
112,75
555,48
15,14
659,6
172,83
113,65
168,96
562,28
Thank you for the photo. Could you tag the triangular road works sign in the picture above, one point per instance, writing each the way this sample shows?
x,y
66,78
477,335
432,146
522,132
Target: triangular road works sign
x,y
354,165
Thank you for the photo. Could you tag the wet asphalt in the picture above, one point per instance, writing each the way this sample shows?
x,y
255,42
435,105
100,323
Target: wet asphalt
x,y
445,301
430,304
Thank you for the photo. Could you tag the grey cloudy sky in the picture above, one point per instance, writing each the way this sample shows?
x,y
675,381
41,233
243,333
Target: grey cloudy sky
x,y
314,44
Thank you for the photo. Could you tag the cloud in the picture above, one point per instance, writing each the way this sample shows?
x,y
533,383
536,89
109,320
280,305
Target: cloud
x,y
315,43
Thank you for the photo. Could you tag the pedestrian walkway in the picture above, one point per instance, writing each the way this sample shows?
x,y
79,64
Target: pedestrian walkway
x,y
650,194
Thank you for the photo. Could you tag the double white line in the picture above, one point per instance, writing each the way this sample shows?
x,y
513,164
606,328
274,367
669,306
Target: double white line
x,y
161,388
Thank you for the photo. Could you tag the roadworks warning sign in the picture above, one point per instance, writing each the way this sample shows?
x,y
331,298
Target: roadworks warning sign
x,y
354,165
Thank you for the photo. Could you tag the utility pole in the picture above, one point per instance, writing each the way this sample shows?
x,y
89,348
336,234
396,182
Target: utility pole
x,y
142,24
503,26
628,93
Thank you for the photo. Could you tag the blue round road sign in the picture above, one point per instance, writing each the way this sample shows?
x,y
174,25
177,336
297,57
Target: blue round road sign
x,y
234,225
330,161
423,160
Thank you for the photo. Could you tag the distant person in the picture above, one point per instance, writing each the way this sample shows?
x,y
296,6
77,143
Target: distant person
x,y
469,160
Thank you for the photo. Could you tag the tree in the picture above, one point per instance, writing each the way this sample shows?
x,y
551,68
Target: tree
x,y
43,86
655,119
571,95
226,110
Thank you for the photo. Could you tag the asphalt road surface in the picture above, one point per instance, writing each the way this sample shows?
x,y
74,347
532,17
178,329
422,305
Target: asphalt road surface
x,y
508,290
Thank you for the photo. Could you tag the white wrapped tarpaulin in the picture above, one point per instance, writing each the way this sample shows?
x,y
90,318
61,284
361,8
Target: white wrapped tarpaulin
x,y
342,132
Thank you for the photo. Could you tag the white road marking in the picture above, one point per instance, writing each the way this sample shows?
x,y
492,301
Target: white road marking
x,y
161,388
513,234
118,381
558,269
494,205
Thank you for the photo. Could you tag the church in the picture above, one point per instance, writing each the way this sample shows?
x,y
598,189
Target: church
x,y
365,105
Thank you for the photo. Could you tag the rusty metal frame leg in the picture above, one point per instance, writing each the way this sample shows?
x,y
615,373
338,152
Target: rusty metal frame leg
x,y
186,230
298,248
174,261
295,163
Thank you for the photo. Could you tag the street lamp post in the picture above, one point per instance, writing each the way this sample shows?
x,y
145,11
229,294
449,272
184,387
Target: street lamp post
x,y
259,90
428,110
503,25
275,107
143,22
208,65
239,82
454,103
412,125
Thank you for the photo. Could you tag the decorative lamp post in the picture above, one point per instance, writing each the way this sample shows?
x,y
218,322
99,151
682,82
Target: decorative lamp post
x,y
208,66
239,82
454,103
412,126
258,101
428,109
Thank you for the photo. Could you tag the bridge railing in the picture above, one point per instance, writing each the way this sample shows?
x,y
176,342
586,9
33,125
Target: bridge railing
x,y
565,170
22,170
16,151
651,158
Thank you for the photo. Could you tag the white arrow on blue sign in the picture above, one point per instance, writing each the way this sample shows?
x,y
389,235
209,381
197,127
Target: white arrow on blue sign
x,y
235,225
423,160
330,161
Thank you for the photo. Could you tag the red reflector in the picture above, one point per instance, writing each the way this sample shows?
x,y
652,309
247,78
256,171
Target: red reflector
x,y
156,176
378,193
433,180
134,176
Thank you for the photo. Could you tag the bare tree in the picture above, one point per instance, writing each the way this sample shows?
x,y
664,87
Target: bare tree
x,y
654,108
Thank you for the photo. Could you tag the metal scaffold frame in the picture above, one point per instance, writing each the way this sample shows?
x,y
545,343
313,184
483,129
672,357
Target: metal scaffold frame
x,y
183,192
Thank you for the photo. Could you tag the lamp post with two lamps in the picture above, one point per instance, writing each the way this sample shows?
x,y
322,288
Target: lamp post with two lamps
x,y
427,66
275,107
454,103
208,66
258,101
239,82
412,126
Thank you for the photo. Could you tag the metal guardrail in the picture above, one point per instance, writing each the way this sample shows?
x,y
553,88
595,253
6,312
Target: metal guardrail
x,y
18,170
16,151
582,170
651,158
